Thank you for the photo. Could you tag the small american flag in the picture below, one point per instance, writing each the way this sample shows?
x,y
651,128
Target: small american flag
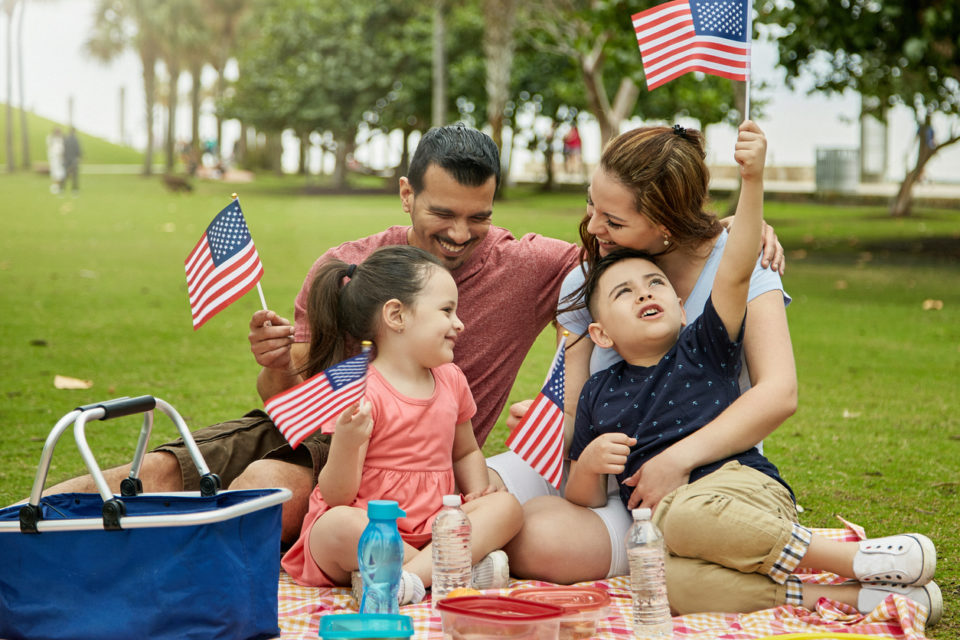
x,y
712,36
538,439
223,266
301,410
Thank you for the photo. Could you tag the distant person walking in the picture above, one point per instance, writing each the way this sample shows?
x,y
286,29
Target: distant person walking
x,y
71,161
572,146
55,159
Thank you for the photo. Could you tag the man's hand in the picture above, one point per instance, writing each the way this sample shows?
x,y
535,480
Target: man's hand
x,y
607,454
517,409
771,251
270,339
656,478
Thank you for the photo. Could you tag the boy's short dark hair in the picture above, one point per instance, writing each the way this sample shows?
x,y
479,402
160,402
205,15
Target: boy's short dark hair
x,y
593,275
469,155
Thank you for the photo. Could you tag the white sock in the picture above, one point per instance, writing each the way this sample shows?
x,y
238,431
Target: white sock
x,y
411,589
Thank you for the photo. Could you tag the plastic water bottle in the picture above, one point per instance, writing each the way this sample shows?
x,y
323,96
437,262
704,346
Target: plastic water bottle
x,y
380,556
451,549
648,586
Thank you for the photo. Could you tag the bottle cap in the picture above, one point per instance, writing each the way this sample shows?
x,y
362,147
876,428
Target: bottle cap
x,y
384,510
452,500
642,513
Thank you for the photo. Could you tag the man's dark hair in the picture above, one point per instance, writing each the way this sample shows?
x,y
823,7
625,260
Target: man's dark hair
x,y
469,155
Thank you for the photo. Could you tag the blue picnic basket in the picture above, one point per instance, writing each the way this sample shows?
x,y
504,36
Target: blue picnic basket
x,y
201,564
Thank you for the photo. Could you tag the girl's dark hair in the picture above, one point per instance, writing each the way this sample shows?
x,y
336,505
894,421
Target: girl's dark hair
x,y
593,276
666,172
339,311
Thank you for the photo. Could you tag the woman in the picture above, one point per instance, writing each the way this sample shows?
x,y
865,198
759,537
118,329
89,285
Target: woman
x,y
649,193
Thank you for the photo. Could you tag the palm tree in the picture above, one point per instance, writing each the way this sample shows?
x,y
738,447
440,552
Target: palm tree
x,y
224,19
24,133
136,24
8,7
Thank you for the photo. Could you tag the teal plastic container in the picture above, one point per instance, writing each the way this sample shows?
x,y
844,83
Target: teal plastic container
x,y
366,625
380,558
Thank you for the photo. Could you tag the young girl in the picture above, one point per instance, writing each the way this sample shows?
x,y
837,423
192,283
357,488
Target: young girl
x,y
410,439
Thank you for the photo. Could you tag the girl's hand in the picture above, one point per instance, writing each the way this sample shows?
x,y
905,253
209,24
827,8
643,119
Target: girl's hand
x,y
655,479
355,425
607,454
750,151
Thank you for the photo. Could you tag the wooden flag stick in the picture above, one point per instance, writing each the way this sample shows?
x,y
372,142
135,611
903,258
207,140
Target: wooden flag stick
x,y
263,301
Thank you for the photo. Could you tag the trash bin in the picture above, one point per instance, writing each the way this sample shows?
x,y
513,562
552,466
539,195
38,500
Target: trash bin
x,y
837,170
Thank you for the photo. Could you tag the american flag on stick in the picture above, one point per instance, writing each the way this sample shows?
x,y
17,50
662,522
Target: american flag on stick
x,y
538,438
712,36
301,410
223,266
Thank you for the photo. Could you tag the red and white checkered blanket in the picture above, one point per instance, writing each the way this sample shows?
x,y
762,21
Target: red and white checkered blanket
x,y
896,617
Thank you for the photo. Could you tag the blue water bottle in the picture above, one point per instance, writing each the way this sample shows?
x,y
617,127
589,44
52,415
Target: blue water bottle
x,y
380,556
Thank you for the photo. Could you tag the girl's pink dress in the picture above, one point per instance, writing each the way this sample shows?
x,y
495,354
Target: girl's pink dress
x,y
409,459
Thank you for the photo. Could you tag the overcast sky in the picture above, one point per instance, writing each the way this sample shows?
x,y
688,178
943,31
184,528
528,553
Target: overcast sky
x,y
58,69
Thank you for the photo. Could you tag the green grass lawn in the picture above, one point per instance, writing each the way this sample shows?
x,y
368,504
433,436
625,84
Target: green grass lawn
x,y
94,288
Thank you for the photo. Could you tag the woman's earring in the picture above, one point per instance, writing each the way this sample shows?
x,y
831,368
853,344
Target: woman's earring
x,y
666,241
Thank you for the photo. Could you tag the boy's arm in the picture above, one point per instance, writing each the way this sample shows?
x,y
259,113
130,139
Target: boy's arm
x,y
606,454
732,283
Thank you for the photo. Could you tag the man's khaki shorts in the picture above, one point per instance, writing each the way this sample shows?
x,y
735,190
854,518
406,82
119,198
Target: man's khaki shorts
x,y
228,447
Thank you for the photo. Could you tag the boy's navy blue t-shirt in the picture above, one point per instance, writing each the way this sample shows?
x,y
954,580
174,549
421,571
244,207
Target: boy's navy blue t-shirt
x,y
660,405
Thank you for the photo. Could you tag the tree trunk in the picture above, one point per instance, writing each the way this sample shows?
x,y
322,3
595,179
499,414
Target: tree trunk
x,y
219,117
11,165
548,157
195,89
499,18
302,156
439,112
903,202
240,146
172,100
344,148
608,116
149,94
24,133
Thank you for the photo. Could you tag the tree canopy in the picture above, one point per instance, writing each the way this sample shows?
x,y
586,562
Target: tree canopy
x,y
894,52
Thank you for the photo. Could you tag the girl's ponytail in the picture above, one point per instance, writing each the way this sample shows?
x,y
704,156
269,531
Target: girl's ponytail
x,y
327,335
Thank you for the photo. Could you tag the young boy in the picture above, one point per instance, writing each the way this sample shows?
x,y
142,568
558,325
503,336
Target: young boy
x,y
732,531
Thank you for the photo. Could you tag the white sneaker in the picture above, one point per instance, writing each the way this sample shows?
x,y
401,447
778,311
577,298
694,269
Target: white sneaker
x,y
928,595
411,590
908,559
492,572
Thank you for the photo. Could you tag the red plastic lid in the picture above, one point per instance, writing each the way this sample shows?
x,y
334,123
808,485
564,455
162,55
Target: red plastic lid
x,y
570,599
500,608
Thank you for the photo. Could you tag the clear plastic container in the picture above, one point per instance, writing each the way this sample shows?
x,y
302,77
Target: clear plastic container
x,y
451,549
485,617
365,625
583,607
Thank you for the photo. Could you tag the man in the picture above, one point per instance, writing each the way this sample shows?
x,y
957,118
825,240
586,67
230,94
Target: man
x,y
71,161
508,291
